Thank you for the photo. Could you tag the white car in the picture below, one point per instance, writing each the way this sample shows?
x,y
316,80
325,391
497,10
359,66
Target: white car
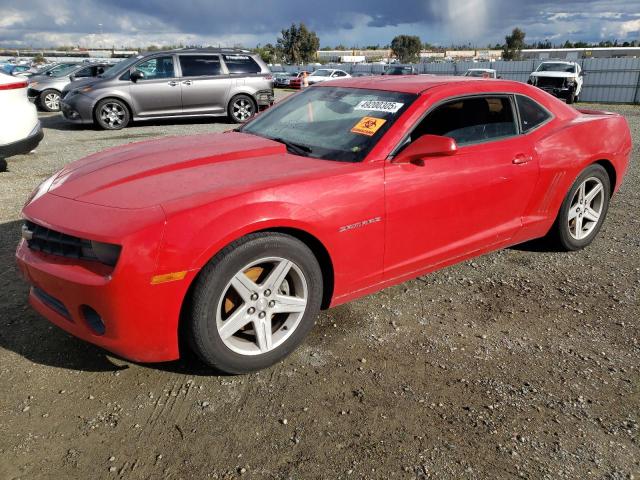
x,y
324,74
560,79
20,129
481,73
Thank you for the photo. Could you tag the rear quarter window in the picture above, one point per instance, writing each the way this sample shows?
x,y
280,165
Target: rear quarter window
x,y
241,64
532,114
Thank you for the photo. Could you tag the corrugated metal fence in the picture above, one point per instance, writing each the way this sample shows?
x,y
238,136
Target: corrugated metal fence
x,y
607,80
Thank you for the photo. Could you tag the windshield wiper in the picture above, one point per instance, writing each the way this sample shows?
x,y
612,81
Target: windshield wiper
x,y
295,148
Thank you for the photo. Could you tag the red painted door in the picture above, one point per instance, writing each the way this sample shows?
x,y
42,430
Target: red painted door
x,y
454,205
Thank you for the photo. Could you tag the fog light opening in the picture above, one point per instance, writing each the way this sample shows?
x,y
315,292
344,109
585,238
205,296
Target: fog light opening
x,y
93,319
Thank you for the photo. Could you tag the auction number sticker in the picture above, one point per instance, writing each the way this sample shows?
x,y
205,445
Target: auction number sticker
x,y
368,126
379,106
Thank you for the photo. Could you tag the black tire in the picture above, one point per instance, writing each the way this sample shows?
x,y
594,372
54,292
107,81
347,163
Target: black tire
x,y
112,114
560,233
571,98
49,100
241,108
212,284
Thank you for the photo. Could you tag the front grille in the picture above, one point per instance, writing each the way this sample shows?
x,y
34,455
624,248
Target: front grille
x,y
550,82
52,302
42,239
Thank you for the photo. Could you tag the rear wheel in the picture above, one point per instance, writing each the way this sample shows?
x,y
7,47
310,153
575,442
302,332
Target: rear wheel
x,y
50,100
112,114
583,210
254,302
241,108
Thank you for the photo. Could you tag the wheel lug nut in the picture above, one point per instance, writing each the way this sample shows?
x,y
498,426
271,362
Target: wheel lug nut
x,y
254,296
267,293
262,315
272,303
251,311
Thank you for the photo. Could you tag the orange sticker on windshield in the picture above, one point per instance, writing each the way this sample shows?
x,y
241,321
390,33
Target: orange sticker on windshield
x,y
368,126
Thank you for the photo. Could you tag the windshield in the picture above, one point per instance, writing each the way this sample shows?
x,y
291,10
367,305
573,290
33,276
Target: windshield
x,y
556,67
477,73
337,123
321,73
120,67
63,70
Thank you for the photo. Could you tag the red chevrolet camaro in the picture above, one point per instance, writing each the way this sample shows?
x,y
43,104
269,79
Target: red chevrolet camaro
x,y
236,240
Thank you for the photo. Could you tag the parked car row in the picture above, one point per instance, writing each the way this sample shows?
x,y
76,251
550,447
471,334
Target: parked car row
x,y
205,82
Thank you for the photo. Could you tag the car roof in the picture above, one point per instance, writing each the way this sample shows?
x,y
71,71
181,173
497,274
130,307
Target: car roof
x,y
231,51
416,83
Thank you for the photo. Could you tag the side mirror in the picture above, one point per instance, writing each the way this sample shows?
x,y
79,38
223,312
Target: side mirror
x,y
427,146
72,78
137,75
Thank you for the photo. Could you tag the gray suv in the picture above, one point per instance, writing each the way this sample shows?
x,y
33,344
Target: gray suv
x,y
45,89
171,84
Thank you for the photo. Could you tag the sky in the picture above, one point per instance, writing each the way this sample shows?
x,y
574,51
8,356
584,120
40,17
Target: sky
x,y
131,23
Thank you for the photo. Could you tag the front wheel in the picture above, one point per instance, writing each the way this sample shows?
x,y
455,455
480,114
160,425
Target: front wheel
x,y
254,303
112,114
583,210
241,108
50,100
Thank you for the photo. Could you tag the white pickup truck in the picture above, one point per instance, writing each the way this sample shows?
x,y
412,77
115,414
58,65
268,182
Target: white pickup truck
x,y
561,79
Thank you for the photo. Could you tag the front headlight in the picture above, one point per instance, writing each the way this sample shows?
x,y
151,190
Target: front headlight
x,y
106,253
571,81
33,84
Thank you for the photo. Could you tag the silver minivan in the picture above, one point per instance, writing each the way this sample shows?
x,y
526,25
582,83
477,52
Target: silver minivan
x,y
177,83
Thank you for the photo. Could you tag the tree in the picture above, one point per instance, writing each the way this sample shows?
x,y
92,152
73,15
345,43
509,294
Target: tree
x,y
38,59
406,48
269,53
298,44
514,45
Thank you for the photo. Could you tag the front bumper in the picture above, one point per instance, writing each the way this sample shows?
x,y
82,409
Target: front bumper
x,y
77,108
25,145
140,319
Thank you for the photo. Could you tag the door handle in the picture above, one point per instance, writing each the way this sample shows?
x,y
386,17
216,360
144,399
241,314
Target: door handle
x,y
173,83
521,158
187,82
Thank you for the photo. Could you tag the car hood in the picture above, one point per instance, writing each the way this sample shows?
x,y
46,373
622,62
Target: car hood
x,y
82,82
554,74
157,172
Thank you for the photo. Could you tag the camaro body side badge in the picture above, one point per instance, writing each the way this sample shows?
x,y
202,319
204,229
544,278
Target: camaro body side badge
x,y
363,223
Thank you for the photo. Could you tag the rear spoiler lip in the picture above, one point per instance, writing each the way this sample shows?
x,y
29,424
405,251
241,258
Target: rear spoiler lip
x,y
587,111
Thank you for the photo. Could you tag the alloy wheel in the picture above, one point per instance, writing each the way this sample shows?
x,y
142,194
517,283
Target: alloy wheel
x,y
52,101
242,109
586,208
112,114
261,306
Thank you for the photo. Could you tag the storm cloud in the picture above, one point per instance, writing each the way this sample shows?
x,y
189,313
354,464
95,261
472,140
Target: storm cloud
x,y
123,23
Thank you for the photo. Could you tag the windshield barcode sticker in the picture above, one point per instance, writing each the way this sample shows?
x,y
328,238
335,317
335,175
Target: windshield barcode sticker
x,y
379,106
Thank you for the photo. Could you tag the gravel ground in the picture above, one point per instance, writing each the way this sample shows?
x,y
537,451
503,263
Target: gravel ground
x,y
521,363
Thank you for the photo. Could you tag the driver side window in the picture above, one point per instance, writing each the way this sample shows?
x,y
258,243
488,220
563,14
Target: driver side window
x,y
158,67
470,120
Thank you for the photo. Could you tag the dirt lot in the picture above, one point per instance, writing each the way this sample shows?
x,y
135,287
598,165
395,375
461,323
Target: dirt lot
x,y
522,363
